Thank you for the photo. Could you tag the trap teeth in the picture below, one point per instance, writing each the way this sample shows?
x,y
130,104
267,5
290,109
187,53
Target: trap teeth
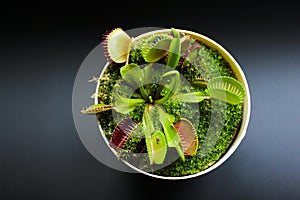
x,y
116,45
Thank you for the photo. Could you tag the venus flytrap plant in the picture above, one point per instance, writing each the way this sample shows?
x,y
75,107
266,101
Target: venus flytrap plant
x,y
181,134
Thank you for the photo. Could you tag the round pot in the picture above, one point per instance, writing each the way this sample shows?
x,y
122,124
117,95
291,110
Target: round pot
x,y
239,74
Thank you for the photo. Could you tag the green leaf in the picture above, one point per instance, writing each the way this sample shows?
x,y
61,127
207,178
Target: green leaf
x,y
148,81
143,91
172,137
122,104
97,108
148,73
172,83
174,50
137,77
136,95
156,143
175,33
226,89
132,74
193,97
156,48
156,147
127,68
188,136
126,105
147,123
173,77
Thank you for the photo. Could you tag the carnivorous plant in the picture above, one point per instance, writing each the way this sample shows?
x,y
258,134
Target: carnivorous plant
x,y
153,89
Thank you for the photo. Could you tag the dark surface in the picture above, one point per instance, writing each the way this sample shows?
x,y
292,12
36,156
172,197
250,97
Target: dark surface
x,y
42,47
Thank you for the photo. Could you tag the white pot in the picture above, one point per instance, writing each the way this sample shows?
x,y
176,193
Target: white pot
x,y
238,72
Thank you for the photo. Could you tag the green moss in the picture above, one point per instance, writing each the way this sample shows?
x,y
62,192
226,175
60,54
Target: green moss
x,y
209,64
224,134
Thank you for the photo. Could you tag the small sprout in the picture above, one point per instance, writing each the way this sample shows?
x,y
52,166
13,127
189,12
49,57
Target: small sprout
x,y
122,132
226,89
188,136
150,99
116,46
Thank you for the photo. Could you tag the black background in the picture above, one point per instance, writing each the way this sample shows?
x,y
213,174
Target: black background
x,y
42,47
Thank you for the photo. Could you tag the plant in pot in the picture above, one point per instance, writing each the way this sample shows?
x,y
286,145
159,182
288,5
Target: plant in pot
x,y
170,105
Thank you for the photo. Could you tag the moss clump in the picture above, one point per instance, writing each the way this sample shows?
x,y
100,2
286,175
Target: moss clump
x,y
216,126
224,134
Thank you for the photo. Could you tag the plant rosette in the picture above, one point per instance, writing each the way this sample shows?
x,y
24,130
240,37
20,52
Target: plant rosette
x,y
170,103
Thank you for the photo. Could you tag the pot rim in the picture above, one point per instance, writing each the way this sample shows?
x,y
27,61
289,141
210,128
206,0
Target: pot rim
x,y
246,104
